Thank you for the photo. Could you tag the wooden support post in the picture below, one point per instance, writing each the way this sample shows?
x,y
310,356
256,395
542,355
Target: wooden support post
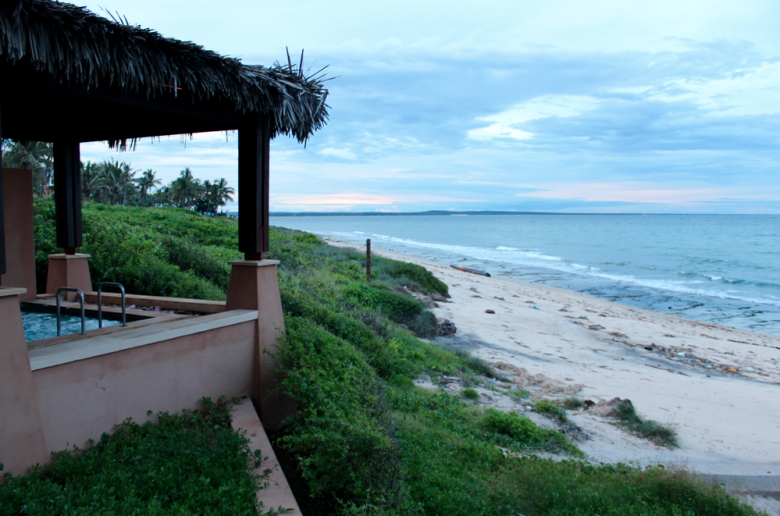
x,y
254,143
368,260
3,266
67,195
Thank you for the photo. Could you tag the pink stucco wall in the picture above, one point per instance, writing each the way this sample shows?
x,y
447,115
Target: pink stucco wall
x,y
82,399
54,397
19,231
21,438
254,286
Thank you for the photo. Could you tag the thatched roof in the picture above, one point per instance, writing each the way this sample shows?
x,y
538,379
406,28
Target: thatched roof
x,y
79,48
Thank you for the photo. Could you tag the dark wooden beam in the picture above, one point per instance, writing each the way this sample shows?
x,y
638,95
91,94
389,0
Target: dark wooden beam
x,y
254,142
67,195
3,263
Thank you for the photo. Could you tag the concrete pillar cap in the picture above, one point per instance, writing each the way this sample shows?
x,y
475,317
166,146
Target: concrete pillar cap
x,y
12,291
62,256
253,263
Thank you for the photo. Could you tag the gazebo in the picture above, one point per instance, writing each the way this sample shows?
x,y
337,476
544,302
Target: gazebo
x,y
69,76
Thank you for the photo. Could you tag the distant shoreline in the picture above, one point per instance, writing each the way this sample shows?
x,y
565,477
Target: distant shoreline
x,y
486,212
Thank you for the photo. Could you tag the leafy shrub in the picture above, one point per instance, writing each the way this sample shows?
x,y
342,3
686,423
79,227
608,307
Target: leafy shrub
x,y
188,256
573,403
429,283
549,408
478,365
343,435
469,394
536,486
163,252
656,432
398,307
522,431
424,325
306,238
520,394
182,464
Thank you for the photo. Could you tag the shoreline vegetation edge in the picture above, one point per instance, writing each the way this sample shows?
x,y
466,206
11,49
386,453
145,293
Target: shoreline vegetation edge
x,y
712,384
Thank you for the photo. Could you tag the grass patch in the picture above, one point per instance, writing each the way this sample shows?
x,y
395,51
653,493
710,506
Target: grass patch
x,y
188,463
572,403
412,276
552,410
469,394
519,431
520,394
633,422
477,365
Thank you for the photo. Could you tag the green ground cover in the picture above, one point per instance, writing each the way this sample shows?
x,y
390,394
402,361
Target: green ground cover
x,y
188,463
365,439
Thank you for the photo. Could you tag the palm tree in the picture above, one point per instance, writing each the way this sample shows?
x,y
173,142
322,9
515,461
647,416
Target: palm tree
x,y
163,197
224,193
91,180
117,179
35,156
146,183
214,195
127,178
185,189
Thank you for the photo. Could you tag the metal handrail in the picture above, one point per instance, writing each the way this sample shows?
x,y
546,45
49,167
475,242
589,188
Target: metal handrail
x,y
100,304
81,299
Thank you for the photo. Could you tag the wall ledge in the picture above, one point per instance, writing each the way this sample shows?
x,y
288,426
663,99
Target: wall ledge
x,y
92,346
12,291
277,492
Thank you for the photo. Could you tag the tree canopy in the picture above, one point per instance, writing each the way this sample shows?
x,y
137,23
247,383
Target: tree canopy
x,y
114,182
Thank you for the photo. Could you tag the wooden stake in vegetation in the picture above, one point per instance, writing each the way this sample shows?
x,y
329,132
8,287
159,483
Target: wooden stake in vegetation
x,y
368,260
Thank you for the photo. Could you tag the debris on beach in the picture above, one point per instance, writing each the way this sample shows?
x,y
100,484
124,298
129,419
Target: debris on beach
x,y
686,357
472,271
540,383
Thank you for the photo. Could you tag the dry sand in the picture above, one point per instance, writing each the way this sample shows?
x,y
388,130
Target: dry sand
x,y
722,396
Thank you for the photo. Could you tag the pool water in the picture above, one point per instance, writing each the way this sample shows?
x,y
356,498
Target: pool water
x,y
39,325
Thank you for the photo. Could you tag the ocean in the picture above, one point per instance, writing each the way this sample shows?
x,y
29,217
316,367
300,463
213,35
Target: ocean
x,y
723,269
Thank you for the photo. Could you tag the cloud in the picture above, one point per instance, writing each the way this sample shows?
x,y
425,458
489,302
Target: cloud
x,y
338,153
508,105
504,124
648,192
340,199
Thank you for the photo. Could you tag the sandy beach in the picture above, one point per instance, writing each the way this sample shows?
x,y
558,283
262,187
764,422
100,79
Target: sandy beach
x,y
717,386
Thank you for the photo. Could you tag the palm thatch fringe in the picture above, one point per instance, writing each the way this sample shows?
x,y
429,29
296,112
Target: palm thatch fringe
x,y
76,46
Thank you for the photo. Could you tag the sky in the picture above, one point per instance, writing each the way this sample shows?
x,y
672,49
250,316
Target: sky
x,y
560,106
